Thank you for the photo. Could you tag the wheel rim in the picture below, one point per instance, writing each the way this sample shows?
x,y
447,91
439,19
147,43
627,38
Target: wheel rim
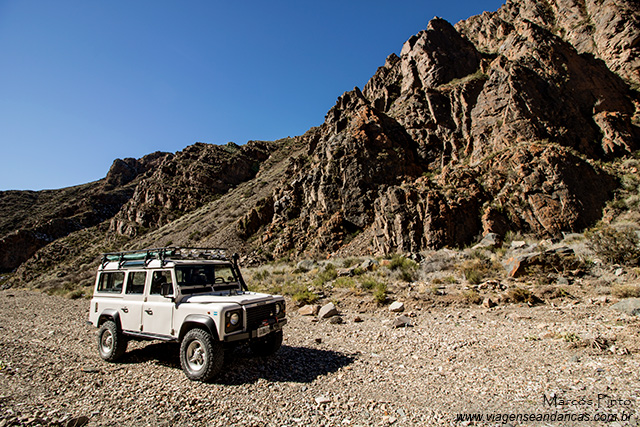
x,y
196,356
106,341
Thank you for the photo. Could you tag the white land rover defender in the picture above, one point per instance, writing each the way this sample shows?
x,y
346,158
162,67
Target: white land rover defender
x,y
195,296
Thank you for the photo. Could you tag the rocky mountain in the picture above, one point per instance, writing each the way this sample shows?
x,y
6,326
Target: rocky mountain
x,y
135,196
505,122
495,126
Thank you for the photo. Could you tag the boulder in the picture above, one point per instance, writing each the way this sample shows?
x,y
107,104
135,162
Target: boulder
x,y
368,264
328,310
396,307
401,322
305,265
308,310
336,320
489,241
488,303
630,306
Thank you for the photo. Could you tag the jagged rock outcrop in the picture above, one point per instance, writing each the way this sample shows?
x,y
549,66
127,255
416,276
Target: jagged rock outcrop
x,y
185,181
488,126
607,29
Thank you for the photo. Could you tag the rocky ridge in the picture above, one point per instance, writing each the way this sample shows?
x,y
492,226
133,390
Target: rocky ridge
x,y
502,123
458,137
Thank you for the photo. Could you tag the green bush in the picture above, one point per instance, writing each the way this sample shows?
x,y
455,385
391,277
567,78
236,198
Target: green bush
x,y
380,293
345,282
305,297
369,283
405,266
329,273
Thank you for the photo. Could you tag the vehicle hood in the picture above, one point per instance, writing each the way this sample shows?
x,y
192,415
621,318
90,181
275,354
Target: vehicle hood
x,y
243,299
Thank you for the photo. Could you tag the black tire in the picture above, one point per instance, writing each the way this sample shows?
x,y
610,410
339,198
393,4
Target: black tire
x,y
268,345
201,356
111,343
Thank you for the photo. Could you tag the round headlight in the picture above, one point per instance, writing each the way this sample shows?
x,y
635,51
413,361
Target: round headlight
x,y
278,309
234,319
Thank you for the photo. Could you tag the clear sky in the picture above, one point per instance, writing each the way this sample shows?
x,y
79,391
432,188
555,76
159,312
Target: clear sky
x,y
85,82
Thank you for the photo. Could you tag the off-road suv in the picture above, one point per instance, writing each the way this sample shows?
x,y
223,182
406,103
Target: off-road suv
x,y
194,296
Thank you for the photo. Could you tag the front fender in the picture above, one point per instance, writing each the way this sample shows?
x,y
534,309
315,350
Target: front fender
x,y
198,321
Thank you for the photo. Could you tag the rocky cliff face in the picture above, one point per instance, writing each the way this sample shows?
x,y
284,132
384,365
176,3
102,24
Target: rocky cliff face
x,y
490,126
33,219
185,181
608,30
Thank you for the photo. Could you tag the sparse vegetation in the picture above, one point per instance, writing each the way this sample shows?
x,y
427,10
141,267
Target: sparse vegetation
x,y
304,297
380,293
626,291
329,273
405,266
617,246
472,297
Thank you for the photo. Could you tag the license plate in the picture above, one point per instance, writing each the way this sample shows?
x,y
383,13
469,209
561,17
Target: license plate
x,y
262,331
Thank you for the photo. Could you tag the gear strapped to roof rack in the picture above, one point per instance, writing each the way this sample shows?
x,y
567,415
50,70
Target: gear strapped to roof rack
x,y
144,256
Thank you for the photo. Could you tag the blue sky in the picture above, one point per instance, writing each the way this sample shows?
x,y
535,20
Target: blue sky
x,y
85,82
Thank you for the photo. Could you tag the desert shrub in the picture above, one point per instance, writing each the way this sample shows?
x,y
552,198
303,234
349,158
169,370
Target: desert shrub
x,y
304,297
400,262
472,297
474,270
626,291
348,262
329,273
259,276
406,267
474,276
369,283
77,294
345,282
517,295
380,293
613,245
550,292
358,271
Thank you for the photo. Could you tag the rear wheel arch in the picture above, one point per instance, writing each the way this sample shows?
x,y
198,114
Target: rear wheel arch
x,y
112,315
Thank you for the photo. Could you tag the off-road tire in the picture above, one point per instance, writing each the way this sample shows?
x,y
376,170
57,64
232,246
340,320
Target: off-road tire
x,y
268,345
201,356
112,344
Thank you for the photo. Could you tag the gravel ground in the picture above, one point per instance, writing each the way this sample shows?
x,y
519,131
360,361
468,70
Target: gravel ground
x,y
514,360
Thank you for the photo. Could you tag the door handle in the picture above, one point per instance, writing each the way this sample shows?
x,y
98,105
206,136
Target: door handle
x,y
148,311
125,309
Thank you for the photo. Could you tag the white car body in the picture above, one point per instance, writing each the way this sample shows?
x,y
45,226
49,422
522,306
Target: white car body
x,y
162,294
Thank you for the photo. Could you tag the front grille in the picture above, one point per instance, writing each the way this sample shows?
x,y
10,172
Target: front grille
x,y
257,315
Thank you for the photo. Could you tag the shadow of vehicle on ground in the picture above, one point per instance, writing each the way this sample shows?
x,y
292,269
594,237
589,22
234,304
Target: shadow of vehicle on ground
x,y
289,364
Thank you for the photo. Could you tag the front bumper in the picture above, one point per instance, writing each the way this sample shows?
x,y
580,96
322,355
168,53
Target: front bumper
x,y
274,327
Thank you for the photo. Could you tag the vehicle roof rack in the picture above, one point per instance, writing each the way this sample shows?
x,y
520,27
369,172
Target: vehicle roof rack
x,y
144,256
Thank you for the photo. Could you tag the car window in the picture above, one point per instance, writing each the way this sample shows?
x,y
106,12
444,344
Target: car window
x,y
135,282
225,274
160,278
111,282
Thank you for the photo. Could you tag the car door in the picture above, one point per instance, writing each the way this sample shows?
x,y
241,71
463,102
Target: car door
x,y
157,310
131,310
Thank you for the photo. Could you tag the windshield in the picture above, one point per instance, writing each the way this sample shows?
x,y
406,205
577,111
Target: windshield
x,y
205,278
